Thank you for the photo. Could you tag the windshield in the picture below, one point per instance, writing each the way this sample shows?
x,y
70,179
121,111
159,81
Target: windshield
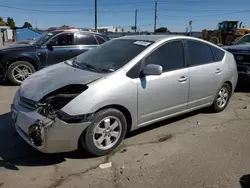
x,y
243,41
111,55
42,39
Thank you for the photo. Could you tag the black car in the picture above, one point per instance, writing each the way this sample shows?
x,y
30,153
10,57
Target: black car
x,y
17,62
241,52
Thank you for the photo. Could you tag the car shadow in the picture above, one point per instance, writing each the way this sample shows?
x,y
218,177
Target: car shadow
x,y
14,151
166,122
245,181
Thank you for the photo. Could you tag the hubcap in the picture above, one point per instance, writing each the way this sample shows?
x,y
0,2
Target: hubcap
x,y
21,72
107,133
222,97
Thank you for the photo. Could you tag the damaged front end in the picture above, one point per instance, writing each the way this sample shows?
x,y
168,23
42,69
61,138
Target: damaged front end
x,y
50,107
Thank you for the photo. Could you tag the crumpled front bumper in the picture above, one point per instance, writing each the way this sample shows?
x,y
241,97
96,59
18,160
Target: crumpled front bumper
x,y
56,135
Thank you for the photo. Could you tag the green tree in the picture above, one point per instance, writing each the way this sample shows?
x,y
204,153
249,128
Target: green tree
x,y
37,29
2,23
27,25
64,26
162,30
10,22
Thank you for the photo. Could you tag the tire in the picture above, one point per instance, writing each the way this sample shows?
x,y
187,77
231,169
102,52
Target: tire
x,y
216,107
89,138
214,40
12,70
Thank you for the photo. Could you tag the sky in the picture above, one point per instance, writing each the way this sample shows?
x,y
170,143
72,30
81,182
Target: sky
x,y
173,14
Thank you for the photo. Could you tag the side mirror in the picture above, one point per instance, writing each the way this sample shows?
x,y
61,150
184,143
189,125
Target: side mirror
x,y
49,46
152,69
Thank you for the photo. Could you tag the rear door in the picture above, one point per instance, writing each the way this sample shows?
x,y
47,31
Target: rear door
x,y
61,48
84,42
206,73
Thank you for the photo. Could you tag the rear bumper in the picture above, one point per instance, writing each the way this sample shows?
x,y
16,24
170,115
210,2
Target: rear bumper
x,y
56,136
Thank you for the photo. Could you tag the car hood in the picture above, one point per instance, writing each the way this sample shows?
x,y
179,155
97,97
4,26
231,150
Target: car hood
x,y
15,47
237,47
54,77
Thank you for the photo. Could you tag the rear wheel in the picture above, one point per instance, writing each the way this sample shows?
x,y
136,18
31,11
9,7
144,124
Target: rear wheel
x,y
106,132
18,71
222,98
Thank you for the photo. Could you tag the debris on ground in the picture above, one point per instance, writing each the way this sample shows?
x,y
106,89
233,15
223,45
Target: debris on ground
x,y
198,123
105,165
244,107
123,151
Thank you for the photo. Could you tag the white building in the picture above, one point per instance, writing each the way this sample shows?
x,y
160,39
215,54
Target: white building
x,y
110,29
6,34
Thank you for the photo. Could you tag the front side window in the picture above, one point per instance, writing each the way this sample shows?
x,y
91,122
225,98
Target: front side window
x,y
199,53
43,38
170,56
111,55
65,39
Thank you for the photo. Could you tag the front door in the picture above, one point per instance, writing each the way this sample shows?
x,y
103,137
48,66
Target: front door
x,y
165,94
61,48
205,74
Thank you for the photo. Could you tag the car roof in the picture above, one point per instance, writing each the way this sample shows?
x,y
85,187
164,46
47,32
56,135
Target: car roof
x,y
77,31
155,38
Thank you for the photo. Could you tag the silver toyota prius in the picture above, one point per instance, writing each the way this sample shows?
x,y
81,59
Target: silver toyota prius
x,y
94,99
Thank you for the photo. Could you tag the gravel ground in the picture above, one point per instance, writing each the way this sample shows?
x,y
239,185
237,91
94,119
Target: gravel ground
x,y
197,150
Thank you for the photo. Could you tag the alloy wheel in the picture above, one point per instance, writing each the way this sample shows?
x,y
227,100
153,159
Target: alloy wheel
x,y
222,97
21,72
107,133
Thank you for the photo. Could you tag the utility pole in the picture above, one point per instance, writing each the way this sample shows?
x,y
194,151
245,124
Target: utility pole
x,y
95,15
155,16
135,20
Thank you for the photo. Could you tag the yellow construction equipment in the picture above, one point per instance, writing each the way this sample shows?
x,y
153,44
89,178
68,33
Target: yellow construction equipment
x,y
226,33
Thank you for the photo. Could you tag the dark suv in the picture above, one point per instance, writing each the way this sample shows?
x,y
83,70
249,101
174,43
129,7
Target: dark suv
x,y
17,62
241,52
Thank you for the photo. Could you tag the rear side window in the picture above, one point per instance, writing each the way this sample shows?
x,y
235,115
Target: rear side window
x,y
170,56
199,53
105,37
100,39
219,54
86,40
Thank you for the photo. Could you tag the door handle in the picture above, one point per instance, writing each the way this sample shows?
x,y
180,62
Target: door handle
x,y
218,70
183,79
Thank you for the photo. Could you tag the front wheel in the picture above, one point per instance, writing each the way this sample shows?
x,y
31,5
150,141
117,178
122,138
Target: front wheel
x,y
18,71
222,98
106,132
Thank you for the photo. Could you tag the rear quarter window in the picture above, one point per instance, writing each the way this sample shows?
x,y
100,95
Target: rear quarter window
x,y
219,54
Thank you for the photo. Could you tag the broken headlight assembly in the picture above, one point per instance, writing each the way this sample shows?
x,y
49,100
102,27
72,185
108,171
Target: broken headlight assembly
x,y
50,106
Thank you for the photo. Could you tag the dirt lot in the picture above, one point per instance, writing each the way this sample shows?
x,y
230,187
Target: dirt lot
x,y
192,151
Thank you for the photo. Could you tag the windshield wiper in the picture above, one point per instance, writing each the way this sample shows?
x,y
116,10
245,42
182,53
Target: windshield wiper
x,y
92,67
85,65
